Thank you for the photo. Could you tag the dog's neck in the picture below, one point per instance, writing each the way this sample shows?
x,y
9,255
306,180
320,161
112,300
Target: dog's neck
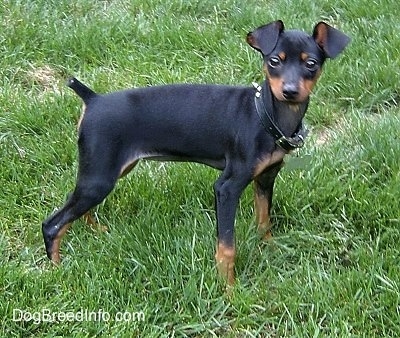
x,y
287,116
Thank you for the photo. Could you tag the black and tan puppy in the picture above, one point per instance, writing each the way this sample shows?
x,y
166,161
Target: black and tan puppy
x,y
243,131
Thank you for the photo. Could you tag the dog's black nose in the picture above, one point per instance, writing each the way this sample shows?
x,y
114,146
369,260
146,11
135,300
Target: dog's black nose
x,y
290,91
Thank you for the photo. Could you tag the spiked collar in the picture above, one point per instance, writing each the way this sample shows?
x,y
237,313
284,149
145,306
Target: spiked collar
x,y
286,143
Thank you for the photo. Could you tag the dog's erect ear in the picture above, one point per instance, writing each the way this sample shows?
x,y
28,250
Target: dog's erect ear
x,y
264,38
331,40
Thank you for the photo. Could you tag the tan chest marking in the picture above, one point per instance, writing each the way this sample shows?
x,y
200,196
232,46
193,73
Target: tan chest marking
x,y
268,160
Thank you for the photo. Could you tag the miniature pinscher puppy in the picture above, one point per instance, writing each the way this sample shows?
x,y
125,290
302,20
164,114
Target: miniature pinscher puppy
x,y
243,131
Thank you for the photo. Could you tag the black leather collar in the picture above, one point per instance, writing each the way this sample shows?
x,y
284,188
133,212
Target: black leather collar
x,y
286,143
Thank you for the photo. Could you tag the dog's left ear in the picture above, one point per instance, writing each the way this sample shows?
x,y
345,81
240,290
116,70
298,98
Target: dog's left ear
x,y
264,38
331,40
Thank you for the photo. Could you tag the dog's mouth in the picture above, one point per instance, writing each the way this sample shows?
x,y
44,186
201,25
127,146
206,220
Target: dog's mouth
x,y
290,98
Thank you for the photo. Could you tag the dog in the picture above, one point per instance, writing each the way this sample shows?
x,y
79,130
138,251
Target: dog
x,y
243,131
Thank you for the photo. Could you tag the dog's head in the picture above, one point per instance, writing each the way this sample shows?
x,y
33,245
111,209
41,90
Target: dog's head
x,y
293,59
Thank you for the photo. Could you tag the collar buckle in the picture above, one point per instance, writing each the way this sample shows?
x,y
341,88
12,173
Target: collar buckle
x,y
289,143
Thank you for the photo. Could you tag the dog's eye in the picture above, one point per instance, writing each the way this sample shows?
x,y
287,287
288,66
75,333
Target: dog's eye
x,y
311,64
274,61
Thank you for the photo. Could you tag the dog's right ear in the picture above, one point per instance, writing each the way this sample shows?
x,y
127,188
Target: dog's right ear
x,y
264,38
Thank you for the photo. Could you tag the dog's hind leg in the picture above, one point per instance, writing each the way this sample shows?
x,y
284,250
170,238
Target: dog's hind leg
x,y
95,181
88,217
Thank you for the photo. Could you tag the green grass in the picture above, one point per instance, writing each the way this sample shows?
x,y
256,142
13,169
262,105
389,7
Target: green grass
x,y
332,269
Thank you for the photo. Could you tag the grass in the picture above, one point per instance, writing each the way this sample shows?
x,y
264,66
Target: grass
x,y
332,269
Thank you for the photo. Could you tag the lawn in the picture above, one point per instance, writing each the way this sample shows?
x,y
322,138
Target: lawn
x,y
332,269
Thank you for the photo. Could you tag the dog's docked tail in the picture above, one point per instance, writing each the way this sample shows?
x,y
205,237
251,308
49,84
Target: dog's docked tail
x,y
85,93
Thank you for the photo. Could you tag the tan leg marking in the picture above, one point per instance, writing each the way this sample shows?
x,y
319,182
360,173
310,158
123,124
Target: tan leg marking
x,y
94,225
81,117
225,259
55,250
263,221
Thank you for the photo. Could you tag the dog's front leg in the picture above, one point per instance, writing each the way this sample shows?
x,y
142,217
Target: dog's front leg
x,y
227,193
263,190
